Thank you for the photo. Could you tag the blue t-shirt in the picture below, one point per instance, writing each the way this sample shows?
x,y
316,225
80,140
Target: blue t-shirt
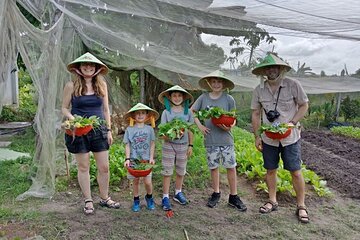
x,y
140,141
167,116
87,106
217,136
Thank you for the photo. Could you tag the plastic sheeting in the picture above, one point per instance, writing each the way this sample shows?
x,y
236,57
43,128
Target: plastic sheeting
x,y
162,37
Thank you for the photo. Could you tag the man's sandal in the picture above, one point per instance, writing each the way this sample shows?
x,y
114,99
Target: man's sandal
x,y
88,210
302,218
109,203
265,209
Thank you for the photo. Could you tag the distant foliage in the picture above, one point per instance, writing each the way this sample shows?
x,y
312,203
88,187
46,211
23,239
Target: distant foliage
x,y
27,101
350,108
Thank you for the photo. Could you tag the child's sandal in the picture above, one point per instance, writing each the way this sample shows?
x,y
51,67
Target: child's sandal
x,y
109,203
88,210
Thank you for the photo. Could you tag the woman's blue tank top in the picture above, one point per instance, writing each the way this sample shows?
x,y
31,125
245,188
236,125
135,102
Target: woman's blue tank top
x,y
87,106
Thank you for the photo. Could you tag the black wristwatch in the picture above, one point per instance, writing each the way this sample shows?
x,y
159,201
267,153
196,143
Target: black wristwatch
x,y
190,145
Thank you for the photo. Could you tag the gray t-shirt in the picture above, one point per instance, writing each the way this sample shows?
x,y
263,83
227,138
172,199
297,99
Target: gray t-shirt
x,y
140,141
217,136
167,116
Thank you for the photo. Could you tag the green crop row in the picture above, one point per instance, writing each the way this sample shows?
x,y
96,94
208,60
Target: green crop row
x,y
347,131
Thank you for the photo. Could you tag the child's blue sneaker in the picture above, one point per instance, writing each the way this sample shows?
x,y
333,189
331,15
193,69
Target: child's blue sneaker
x,y
166,204
136,206
150,203
180,198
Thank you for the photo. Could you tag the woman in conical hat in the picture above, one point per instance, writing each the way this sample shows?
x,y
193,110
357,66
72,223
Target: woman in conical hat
x,y
139,140
176,152
153,115
86,95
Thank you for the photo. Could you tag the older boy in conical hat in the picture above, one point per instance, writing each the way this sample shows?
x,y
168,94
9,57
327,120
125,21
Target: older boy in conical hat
x,y
279,100
140,144
219,141
175,152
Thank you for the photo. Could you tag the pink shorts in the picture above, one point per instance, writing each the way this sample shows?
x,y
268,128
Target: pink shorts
x,y
174,155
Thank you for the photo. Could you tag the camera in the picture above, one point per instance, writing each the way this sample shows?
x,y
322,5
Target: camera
x,y
272,115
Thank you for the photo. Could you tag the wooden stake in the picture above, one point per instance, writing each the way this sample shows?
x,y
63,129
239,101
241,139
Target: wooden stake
x,y
186,234
67,164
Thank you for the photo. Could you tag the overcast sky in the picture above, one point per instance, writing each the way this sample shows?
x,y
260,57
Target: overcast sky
x,y
320,54
329,55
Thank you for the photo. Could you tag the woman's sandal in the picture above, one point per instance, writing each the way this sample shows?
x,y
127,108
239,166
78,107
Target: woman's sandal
x,y
265,209
88,210
109,203
302,218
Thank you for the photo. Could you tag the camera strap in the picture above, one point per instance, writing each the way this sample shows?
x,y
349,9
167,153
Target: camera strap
x,y
277,99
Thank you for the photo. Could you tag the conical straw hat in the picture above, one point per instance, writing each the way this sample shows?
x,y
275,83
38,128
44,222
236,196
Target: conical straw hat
x,y
270,60
176,88
228,84
87,57
141,106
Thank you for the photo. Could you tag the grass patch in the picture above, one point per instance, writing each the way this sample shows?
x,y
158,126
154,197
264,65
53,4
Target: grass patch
x,y
19,214
14,178
24,142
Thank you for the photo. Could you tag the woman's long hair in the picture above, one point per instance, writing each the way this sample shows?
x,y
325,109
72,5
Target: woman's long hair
x,y
98,84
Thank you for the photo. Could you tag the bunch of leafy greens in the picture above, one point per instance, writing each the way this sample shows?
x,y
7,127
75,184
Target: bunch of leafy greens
x,y
275,128
214,112
137,164
175,129
79,122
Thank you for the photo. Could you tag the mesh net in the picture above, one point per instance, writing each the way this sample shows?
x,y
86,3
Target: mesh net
x,y
162,37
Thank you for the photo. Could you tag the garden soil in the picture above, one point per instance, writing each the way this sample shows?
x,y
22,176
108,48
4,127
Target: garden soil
x,y
334,158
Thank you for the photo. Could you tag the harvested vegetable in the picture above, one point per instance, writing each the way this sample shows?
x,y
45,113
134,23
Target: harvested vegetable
x,y
214,112
275,128
176,128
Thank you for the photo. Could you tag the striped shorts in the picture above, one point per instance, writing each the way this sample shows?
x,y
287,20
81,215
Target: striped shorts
x,y
174,155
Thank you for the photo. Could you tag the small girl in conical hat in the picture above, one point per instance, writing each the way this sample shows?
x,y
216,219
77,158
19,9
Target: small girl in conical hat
x,y
140,144
177,101
86,95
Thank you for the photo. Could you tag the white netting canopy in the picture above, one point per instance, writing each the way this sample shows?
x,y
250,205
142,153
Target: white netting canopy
x,y
162,37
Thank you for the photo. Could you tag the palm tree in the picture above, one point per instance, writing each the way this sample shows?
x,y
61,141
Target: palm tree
x,y
303,70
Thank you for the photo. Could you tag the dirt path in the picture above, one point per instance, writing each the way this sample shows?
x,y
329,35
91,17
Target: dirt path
x,y
336,158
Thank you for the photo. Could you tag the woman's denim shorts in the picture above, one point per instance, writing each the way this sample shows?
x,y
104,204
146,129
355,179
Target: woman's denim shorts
x,y
95,141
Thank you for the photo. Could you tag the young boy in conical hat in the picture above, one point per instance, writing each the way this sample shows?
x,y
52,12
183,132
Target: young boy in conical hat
x,y
140,144
86,95
175,152
219,141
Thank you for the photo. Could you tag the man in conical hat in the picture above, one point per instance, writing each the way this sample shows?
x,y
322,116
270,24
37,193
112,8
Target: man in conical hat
x,y
175,153
218,139
139,139
279,100
86,95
